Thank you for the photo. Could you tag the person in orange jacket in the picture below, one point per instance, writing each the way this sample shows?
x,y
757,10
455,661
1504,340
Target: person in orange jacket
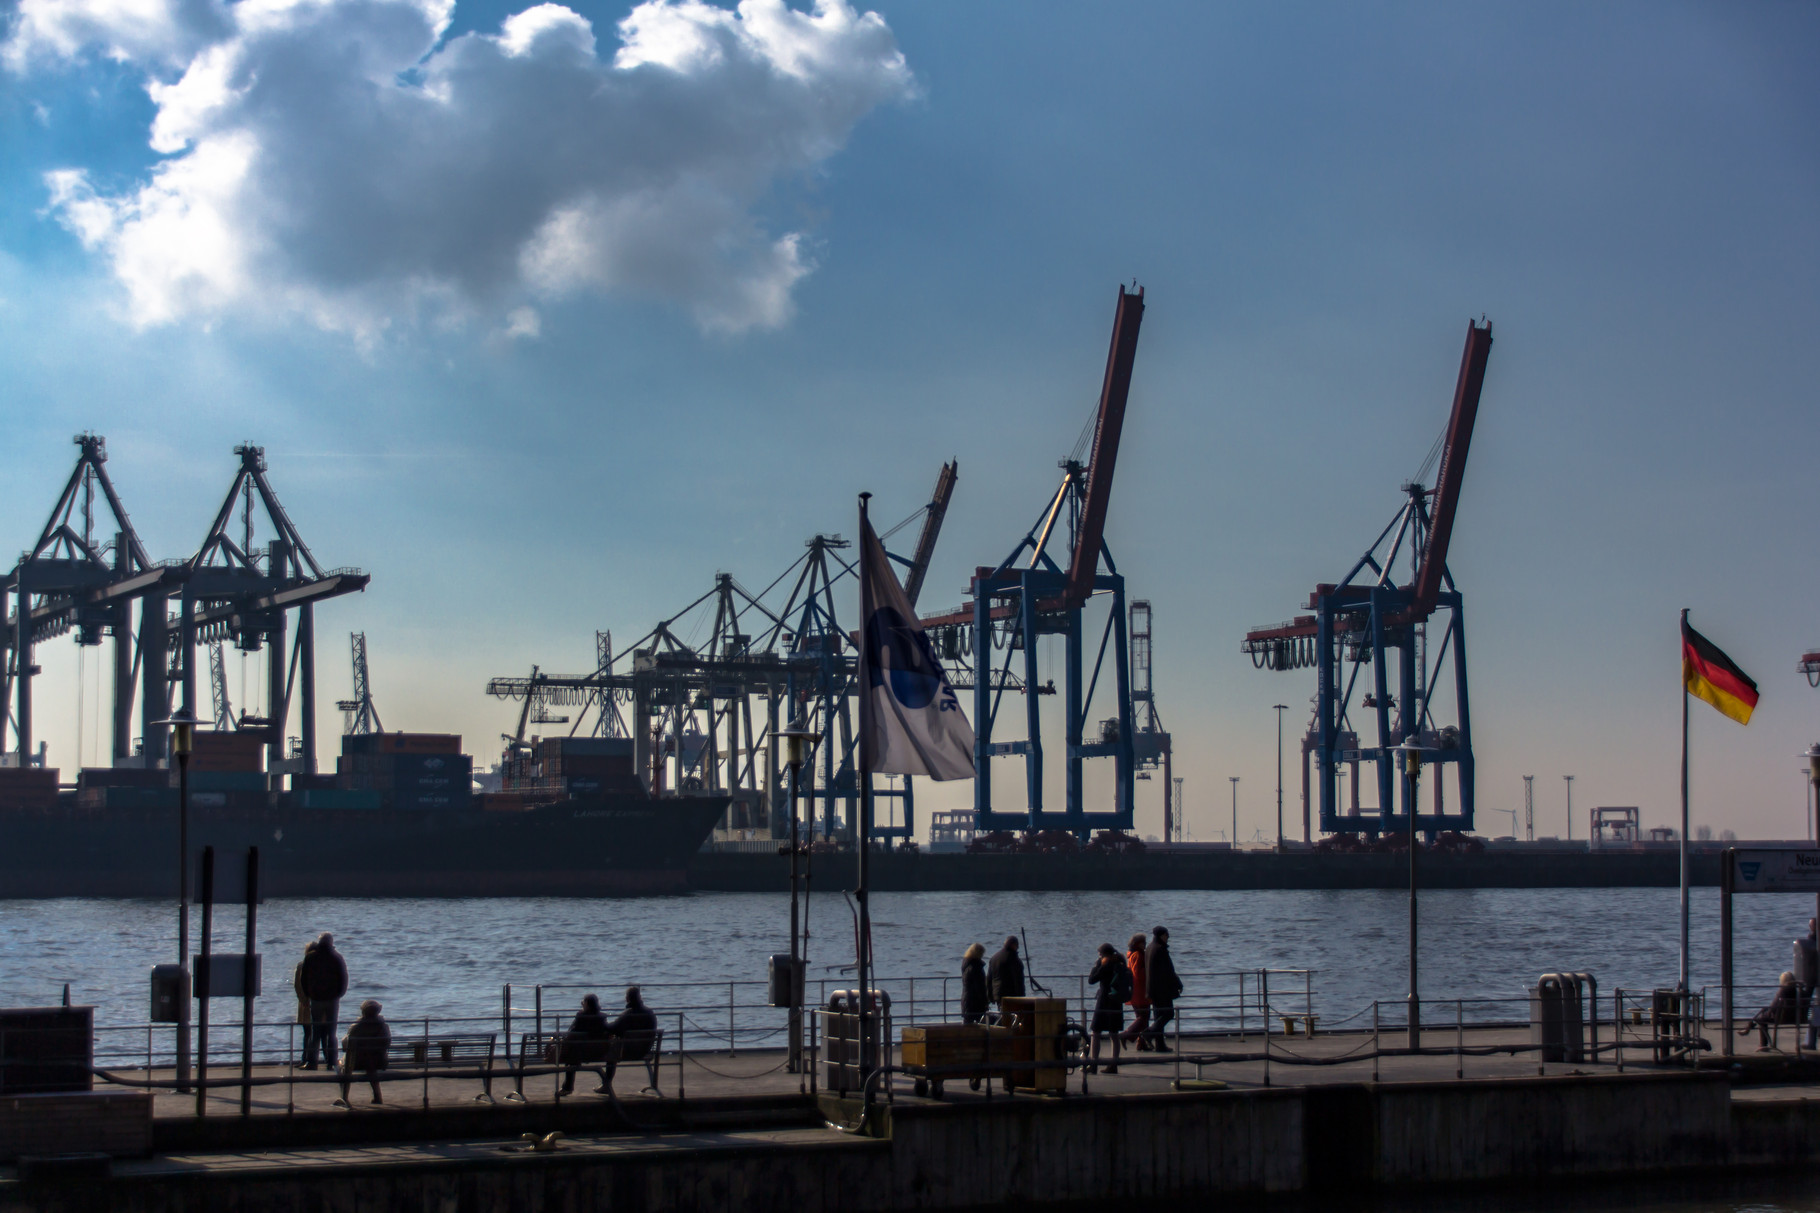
x,y
1139,1001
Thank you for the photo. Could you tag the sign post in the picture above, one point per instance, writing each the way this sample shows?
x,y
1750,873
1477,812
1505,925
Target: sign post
x,y
1757,872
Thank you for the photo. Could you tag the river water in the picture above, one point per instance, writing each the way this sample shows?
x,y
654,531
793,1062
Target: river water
x,y
452,957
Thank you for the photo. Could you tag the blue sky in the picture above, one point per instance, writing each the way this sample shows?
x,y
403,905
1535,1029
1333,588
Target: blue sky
x,y
1315,197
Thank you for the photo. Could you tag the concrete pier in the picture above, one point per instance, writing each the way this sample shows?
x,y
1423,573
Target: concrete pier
x,y
746,1139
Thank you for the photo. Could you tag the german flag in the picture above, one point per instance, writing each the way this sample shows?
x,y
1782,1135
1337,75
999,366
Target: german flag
x,y
1709,674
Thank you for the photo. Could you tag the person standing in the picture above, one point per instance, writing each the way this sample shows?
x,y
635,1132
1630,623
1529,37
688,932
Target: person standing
x,y
1162,985
974,1002
303,1008
1113,978
1807,969
1005,976
1140,995
324,976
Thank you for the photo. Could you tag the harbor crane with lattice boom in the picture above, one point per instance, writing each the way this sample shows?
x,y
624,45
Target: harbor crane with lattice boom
x,y
1029,595
684,690
358,715
1368,616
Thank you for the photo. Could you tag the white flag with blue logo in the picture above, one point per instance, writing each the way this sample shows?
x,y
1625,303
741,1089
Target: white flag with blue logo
x,y
911,721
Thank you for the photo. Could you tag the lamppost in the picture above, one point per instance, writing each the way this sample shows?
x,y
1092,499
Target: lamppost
x,y
1812,754
1570,806
183,736
1234,779
1412,770
1279,708
799,742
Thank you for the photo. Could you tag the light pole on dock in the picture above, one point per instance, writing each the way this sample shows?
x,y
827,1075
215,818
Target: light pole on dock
x,y
183,734
1570,806
1279,709
799,742
1412,769
1234,780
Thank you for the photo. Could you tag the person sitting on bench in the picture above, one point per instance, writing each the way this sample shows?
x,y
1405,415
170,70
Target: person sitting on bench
x,y
586,1042
364,1048
1781,1009
630,1038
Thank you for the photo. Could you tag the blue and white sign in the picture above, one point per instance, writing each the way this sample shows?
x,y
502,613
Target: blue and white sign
x,y
1775,871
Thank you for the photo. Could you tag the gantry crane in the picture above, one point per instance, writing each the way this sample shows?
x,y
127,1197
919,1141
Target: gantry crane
x,y
1014,605
689,698
1367,616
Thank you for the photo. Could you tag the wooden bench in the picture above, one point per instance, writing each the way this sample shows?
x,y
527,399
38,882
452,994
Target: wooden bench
x,y
1307,1022
534,1046
442,1053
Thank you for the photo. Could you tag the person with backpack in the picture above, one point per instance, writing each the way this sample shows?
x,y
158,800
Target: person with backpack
x,y
1113,978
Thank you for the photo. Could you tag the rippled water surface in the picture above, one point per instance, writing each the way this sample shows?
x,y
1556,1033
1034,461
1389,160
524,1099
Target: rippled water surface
x,y
452,957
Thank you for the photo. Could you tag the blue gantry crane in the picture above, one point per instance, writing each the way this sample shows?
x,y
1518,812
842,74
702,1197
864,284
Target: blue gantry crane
x,y
1029,594
1368,616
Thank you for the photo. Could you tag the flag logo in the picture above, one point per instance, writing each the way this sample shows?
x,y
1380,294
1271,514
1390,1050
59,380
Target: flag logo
x,y
1707,673
911,721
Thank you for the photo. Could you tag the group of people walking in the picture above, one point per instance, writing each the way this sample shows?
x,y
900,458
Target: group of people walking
x,y
1143,978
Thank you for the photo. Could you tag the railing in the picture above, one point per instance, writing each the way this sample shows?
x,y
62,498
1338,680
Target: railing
x,y
1232,1016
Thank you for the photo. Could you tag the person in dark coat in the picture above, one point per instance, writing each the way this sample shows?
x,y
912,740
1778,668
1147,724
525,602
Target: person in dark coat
x,y
974,1001
1162,986
323,975
635,1028
1005,975
1113,978
365,1050
1140,996
586,1041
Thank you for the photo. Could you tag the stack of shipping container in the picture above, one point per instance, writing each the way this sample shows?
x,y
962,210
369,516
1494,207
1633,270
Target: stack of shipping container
x,y
407,770
554,768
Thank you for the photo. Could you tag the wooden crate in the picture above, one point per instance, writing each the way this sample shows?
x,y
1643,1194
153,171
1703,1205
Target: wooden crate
x,y
1036,1036
938,1046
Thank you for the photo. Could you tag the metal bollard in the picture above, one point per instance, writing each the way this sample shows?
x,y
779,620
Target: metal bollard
x,y
426,1063
1459,1039
679,1057
1377,1044
1617,1019
731,1052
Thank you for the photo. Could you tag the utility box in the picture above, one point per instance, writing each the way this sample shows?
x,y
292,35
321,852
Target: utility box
x,y
1556,1024
785,981
46,1049
170,994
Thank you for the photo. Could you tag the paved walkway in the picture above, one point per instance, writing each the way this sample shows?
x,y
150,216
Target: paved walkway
x,y
1238,1061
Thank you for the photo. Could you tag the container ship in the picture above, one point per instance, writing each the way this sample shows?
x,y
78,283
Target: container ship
x,y
400,817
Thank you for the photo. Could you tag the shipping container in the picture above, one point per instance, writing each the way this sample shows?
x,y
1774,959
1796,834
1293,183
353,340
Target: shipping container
x,y
225,781
123,777
211,751
301,782
116,796
336,798
401,743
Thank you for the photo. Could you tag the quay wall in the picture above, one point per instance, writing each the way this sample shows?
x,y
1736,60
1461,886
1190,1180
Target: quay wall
x,y
907,872
1022,1152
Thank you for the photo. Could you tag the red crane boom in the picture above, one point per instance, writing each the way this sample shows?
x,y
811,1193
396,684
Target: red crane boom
x,y
1106,432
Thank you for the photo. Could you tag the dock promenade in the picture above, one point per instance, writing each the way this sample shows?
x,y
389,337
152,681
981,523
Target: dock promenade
x,y
1228,1115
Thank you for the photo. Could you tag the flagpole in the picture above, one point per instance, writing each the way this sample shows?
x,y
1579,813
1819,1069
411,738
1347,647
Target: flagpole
x,y
1683,986
863,828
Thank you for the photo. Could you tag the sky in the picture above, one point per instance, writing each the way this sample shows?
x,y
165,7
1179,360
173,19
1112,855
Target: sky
x,y
545,315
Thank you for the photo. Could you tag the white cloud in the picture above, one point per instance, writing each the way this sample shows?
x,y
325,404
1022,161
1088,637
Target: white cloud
x,y
339,159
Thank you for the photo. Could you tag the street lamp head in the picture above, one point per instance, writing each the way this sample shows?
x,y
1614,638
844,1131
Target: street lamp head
x,y
183,725
1812,754
1412,752
799,743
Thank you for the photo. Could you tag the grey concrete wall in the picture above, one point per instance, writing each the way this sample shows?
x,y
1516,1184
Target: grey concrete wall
x,y
1033,1152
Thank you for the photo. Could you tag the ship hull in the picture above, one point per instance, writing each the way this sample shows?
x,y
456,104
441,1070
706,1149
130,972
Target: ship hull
x,y
600,846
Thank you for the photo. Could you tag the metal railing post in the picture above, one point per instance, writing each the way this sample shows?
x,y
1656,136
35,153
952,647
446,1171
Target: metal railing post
x,y
426,1062
1617,1012
1377,1040
1459,1038
680,1057
731,1051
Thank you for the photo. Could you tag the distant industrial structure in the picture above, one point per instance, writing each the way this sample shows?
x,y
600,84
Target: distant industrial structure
x,y
1369,615
88,570
702,693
